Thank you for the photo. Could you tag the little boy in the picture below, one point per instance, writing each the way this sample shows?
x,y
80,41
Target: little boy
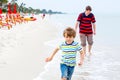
x,y
68,56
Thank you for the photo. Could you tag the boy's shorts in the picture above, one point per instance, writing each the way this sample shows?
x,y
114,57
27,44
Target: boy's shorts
x,y
66,71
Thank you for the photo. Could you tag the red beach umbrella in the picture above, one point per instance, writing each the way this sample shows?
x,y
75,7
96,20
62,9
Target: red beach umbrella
x,y
0,10
9,8
15,7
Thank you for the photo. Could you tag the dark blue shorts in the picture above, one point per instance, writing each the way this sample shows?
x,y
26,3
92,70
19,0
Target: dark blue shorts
x,y
66,71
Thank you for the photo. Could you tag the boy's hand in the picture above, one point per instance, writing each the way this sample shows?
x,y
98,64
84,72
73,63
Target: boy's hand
x,y
48,59
80,64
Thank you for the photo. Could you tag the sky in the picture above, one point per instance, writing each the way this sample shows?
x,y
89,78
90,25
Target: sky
x,y
74,6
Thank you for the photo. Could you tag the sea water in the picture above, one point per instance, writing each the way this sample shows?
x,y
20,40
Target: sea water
x,y
104,64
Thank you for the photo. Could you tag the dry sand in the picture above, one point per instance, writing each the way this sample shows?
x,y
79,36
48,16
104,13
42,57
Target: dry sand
x,y
22,49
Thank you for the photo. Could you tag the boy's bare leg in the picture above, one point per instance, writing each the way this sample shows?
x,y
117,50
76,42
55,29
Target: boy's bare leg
x,y
84,49
63,79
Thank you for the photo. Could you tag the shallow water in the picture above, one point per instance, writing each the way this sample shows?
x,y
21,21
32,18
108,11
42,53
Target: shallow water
x,y
103,64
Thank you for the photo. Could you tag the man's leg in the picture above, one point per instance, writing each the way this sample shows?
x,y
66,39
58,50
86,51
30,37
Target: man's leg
x,y
84,49
90,43
89,49
83,42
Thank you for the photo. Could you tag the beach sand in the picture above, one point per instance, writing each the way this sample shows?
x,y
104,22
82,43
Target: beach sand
x,y
23,49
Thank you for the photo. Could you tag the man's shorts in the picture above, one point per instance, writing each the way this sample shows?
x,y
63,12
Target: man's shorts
x,y
86,37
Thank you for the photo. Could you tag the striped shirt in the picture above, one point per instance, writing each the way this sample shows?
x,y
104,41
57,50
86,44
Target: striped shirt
x,y
85,23
69,53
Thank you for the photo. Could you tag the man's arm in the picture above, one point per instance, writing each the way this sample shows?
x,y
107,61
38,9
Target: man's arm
x,y
94,28
76,25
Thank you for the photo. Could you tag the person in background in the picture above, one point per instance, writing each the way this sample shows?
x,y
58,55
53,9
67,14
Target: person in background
x,y
43,15
87,27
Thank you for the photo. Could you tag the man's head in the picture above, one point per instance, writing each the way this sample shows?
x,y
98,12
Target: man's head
x,y
88,9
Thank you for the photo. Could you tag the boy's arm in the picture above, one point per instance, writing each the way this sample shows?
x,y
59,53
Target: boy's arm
x,y
53,54
81,57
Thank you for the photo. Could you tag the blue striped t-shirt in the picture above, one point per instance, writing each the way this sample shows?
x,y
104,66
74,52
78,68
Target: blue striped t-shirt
x,y
69,53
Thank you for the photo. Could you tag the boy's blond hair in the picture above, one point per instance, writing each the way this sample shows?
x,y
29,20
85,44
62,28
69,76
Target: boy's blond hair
x,y
70,32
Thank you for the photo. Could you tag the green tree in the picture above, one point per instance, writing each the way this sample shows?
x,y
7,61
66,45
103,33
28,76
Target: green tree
x,y
37,11
13,1
44,11
50,11
30,10
4,10
4,1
